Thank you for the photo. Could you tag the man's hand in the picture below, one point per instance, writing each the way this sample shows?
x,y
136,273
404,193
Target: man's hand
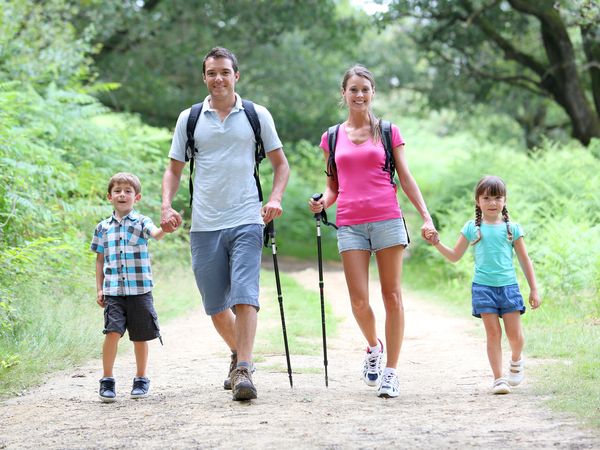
x,y
272,210
170,219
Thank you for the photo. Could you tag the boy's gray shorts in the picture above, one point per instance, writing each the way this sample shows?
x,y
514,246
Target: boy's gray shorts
x,y
226,265
134,313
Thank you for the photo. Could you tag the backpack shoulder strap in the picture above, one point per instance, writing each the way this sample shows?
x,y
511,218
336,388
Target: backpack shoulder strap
x,y
332,134
192,121
386,136
259,153
190,145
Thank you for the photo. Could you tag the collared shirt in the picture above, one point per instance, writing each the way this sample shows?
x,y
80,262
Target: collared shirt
x,y
126,258
225,194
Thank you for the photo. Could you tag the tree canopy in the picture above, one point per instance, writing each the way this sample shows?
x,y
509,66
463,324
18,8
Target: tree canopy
x,y
549,50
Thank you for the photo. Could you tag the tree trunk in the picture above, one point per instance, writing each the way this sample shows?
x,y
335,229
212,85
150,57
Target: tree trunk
x,y
561,79
590,35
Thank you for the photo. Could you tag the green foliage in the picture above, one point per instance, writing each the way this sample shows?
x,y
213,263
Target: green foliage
x,y
291,63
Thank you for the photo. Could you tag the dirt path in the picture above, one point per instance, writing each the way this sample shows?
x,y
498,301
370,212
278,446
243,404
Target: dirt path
x,y
444,401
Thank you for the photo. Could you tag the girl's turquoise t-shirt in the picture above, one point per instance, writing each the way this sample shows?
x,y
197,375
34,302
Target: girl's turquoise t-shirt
x,y
493,253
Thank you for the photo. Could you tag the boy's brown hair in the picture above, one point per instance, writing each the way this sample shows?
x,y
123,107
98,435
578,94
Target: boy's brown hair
x,y
125,178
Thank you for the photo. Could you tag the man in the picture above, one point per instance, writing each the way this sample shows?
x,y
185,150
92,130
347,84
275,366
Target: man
x,y
227,215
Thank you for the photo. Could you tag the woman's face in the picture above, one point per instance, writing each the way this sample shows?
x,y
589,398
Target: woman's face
x,y
358,93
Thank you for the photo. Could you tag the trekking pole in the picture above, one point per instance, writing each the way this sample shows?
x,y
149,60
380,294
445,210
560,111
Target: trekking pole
x,y
270,230
318,218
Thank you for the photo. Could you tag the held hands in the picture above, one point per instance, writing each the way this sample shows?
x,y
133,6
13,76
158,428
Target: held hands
x,y
272,210
429,233
170,219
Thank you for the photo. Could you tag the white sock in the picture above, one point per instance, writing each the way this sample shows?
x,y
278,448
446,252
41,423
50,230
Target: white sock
x,y
376,349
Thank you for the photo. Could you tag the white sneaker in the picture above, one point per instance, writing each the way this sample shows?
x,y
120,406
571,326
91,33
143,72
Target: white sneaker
x,y
500,386
372,367
389,387
516,372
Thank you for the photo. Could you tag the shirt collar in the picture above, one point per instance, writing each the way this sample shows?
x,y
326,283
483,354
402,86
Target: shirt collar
x,y
237,107
133,216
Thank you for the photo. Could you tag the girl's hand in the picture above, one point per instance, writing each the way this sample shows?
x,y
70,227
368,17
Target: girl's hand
x,y
316,206
534,299
429,233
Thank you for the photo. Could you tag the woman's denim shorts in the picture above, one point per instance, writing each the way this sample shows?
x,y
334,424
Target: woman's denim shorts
x,y
496,299
372,236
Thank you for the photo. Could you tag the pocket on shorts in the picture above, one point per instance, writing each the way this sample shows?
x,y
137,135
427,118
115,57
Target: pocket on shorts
x,y
105,319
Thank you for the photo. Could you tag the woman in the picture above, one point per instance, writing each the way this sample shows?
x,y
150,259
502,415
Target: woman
x,y
370,221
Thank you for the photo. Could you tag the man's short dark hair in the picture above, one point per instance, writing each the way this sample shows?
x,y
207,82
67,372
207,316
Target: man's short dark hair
x,y
220,52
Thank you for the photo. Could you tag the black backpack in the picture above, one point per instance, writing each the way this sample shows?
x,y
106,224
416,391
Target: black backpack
x,y
386,136
190,146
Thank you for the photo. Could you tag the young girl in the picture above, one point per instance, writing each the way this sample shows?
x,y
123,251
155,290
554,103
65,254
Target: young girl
x,y
495,290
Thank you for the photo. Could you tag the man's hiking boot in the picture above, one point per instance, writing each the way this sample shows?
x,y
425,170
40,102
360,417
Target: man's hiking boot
x,y
232,366
241,381
107,392
141,386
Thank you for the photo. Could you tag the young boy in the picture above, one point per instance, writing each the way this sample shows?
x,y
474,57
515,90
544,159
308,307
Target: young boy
x,y
124,282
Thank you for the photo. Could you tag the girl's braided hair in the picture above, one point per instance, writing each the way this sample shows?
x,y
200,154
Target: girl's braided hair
x,y
492,186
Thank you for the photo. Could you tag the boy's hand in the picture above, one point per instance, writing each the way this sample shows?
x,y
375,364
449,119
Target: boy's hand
x,y
534,299
100,298
169,220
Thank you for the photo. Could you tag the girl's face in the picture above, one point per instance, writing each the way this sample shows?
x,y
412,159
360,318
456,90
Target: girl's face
x,y
358,93
491,206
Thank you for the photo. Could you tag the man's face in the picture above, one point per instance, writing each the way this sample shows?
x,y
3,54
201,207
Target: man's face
x,y
219,77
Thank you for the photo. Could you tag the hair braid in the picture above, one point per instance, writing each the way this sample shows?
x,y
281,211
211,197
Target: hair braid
x,y
506,220
477,224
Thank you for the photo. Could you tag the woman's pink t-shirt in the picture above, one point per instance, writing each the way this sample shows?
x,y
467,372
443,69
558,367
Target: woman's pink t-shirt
x,y
365,193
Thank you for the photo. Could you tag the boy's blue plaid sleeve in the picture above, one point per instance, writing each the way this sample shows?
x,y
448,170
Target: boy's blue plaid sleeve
x,y
147,227
97,241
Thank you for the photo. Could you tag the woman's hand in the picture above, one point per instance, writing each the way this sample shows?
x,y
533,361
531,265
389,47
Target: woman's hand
x,y
316,206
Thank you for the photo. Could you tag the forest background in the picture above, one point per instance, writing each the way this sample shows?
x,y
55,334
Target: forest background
x,y
512,88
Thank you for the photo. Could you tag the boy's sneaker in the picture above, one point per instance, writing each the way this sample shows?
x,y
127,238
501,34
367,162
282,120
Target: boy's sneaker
x,y
141,386
107,392
232,366
372,366
516,372
389,387
241,382
500,386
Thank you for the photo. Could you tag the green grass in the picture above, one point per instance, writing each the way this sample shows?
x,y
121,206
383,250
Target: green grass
x,y
302,310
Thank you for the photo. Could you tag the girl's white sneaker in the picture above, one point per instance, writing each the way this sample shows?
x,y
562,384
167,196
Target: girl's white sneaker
x,y
500,386
516,372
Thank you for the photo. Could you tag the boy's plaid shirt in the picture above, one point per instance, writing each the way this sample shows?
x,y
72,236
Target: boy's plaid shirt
x,y
126,258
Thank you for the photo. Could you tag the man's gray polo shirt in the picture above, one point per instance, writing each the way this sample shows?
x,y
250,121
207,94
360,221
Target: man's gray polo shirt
x,y
225,193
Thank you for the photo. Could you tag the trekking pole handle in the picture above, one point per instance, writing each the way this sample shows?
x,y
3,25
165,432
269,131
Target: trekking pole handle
x,y
316,197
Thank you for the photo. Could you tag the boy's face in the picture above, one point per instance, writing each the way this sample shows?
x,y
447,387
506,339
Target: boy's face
x,y
123,197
